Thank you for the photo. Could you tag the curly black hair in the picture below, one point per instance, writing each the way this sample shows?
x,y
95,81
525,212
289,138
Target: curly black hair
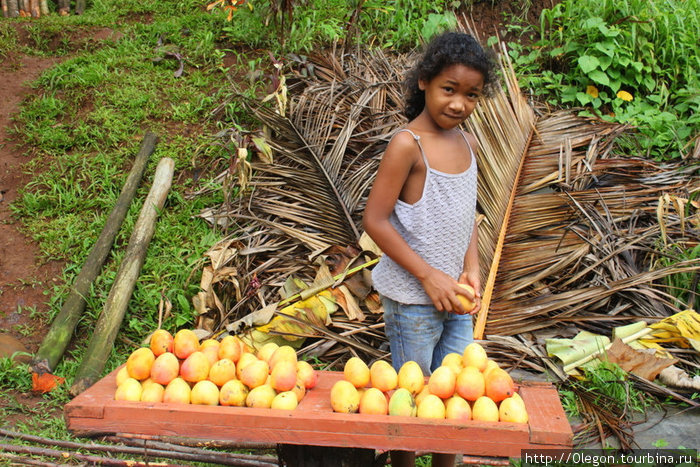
x,y
446,49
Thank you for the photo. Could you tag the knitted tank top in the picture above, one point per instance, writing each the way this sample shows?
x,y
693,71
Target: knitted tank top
x,y
438,227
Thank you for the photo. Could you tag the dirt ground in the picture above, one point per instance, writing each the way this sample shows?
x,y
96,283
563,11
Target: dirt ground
x,y
26,278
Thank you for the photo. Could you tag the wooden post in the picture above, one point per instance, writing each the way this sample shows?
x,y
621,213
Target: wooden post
x,y
58,337
12,8
110,319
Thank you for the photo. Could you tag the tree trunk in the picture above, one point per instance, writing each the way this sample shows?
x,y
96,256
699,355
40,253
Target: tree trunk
x,y
5,13
34,8
12,8
79,7
63,326
44,7
110,319
63,7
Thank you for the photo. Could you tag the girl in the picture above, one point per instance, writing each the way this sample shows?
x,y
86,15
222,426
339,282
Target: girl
x,y
421,210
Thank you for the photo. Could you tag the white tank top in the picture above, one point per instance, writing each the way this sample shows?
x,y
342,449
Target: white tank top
x,y
438,227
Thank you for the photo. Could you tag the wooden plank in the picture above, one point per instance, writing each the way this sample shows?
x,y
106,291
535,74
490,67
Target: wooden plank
x,y
548,423
314,423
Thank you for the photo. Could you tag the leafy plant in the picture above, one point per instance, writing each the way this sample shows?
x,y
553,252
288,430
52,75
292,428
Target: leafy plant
x,y
632,61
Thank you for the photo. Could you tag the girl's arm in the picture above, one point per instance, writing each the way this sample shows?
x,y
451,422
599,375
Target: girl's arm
x,y
394,170
471,273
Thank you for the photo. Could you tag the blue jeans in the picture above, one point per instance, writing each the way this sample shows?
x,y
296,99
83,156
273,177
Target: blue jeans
x,y
423,334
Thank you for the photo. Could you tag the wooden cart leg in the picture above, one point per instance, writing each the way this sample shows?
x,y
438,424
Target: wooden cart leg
x,y
293,455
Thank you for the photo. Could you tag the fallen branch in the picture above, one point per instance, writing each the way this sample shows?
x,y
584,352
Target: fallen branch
x,y
163,450
110,319
57,339
65,456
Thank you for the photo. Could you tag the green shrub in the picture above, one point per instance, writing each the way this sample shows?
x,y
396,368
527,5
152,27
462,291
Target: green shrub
x,y
629,61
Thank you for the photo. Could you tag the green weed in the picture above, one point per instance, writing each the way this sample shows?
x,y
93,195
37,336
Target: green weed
x,y
631,61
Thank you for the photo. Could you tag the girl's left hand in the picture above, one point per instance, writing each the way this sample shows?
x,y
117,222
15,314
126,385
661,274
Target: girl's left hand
x,y
473,281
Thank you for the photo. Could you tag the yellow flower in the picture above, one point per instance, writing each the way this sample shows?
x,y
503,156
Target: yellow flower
x,y
592,91
624,95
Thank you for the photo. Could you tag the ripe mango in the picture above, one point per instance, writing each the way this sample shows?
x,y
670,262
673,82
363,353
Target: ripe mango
x,y
230,347
402,403
431,407
467,304
122,374
129,390
205,393
212,354
265,352
152,393
383,376
222,371
246,359
411,377
285,400
195,368
260,397
255,374
457,408
470,383
283,376
499,384
442,382
299,389
165,368
356,372
485,409
307,374
233,393
512,409
474,355
453,361
161,342
138,365
185,343
177,391
344,397
373,401
283,353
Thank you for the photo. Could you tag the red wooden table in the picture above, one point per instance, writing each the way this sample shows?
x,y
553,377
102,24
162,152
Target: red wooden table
x,y
314,423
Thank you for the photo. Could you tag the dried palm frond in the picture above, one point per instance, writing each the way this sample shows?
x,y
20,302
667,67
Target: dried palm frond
x,y
568,234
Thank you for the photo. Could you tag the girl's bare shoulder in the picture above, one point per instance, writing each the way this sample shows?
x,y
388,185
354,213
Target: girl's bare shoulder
x,y
403,145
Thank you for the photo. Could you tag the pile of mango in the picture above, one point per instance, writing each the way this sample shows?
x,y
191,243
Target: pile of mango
x,y
469,386
180,369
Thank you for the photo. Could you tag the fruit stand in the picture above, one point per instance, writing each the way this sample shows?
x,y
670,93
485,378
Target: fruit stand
x,y
313,423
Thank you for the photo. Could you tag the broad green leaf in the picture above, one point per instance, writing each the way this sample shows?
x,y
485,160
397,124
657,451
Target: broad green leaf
x,y
607,47
599,77
615,85
605,62
588,63
583,98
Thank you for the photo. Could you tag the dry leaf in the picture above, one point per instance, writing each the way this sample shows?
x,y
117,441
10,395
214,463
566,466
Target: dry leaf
x,y
643,364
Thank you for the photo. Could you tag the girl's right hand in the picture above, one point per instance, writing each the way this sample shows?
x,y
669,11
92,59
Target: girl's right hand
x,y
442,290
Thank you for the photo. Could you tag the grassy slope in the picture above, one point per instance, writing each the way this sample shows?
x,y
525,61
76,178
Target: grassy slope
x,y
84,123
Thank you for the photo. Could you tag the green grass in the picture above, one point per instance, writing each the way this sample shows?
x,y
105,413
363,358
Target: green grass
x,y
84,123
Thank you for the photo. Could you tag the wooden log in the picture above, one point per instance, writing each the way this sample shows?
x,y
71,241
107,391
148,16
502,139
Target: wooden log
x,y
110,319
57,339
12,8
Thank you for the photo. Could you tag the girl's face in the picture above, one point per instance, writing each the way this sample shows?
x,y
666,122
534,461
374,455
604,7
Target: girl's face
x,y
450,97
